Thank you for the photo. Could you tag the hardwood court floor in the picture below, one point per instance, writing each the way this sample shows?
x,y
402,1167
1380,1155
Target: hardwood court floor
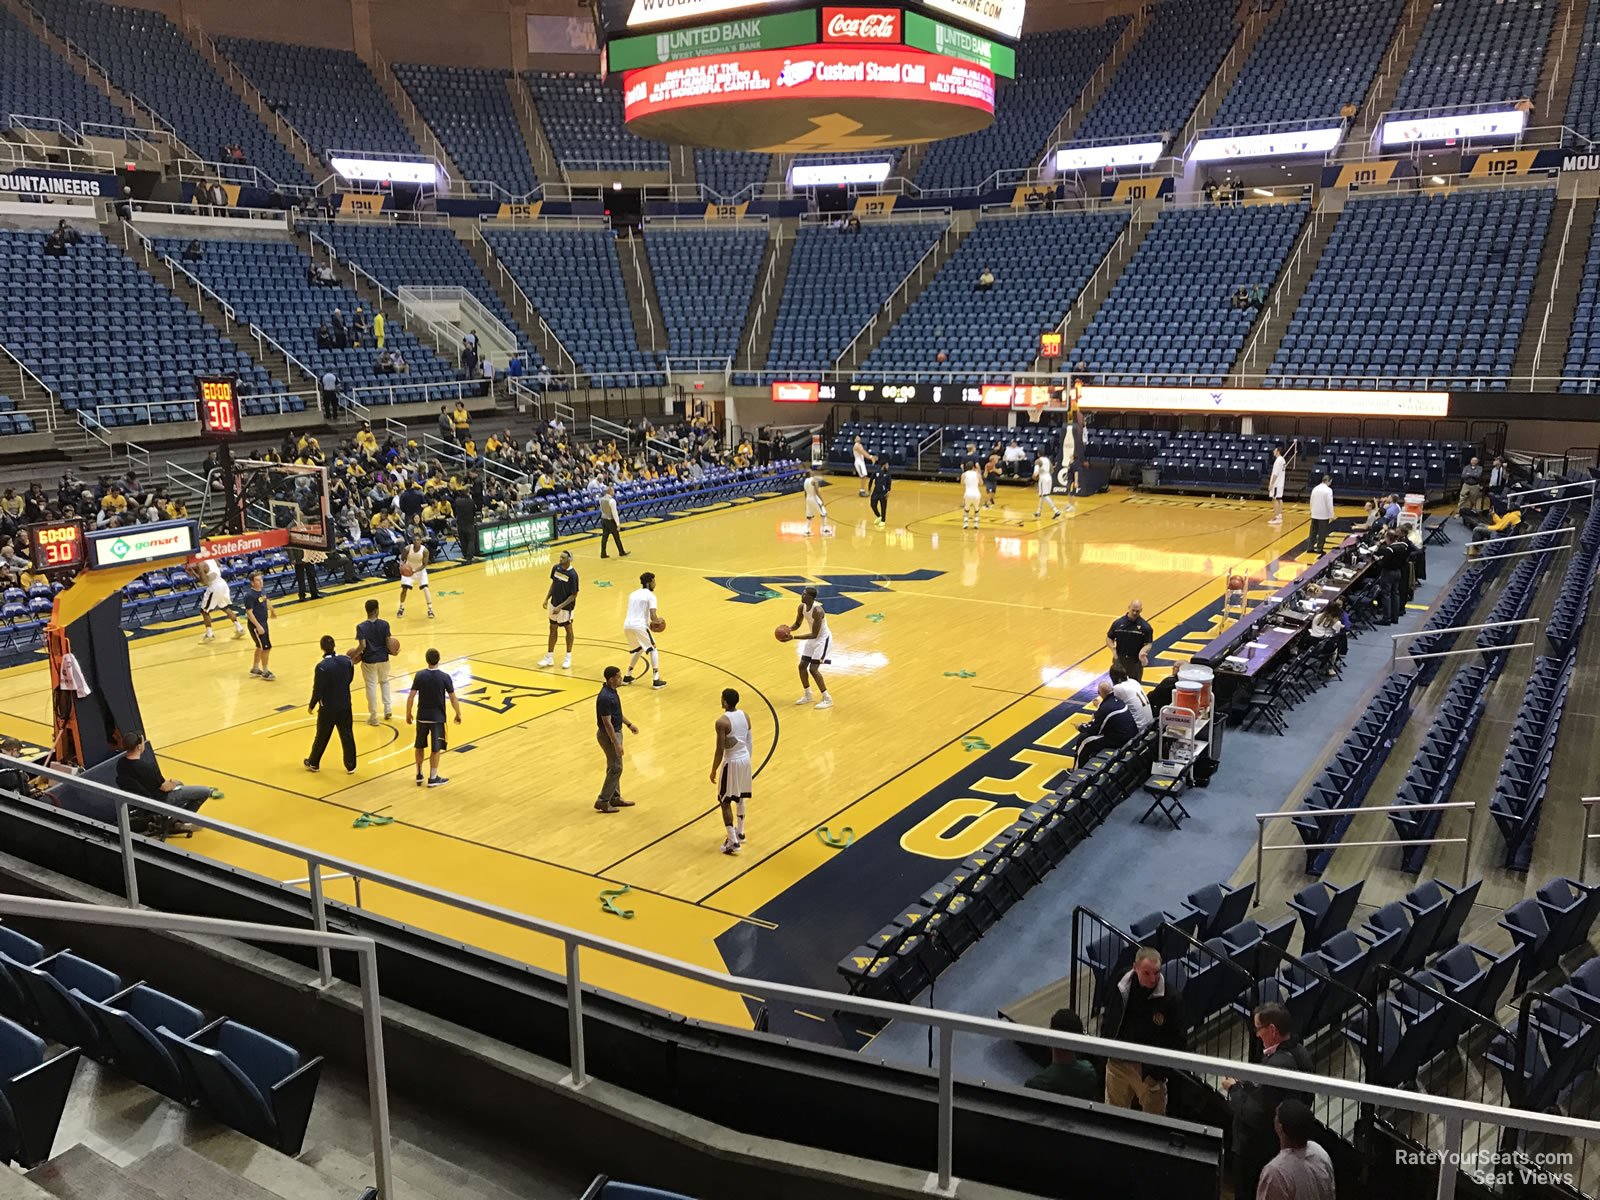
x,y
945,643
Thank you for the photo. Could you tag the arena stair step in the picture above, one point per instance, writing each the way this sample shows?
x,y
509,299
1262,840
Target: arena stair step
x,y
533,134
1542,348
1381,94
756,337
16,1186
81,1174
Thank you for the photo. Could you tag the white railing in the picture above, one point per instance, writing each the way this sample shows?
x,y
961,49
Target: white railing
x,y
901,292
291,364
1225,75
1367,115
674,222
34,153
470,316
525,396
417,392
408,108
34,390
1288,276
323,940
1092,90
246,87
1262,849
450,451
1556,62
530,312
1590,803
945,1025
767,298
1104,274
645,290
182,481
1555,280
1397,655
547,168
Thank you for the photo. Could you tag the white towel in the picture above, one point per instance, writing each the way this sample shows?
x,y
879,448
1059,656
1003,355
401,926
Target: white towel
x,y
72,679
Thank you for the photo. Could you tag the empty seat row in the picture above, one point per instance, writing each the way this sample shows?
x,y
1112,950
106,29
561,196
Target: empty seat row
x,y
1437,763
247,1079
1525,769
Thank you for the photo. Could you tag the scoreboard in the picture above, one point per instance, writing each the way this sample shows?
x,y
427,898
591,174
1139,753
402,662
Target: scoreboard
x,y
218,403
56,545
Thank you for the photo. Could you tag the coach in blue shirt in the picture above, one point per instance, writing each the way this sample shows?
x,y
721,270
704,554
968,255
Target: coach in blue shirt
x,y
330,701
1112,726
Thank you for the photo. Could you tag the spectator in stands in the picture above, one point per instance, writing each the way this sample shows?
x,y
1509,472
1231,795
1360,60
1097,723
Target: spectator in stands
x,y
1254,1106
985,280
1241,297
461,420
138,775
1471,487
1499,477
384,365
329,391
379,328
1129,638
941,358
219,197
486,369
447,426
1016,459
1142,1011
55,245
1111,727
1258,297
1302,1169
1321,515
193,252
325,276
1067,1074
341,330
1132,694
398,361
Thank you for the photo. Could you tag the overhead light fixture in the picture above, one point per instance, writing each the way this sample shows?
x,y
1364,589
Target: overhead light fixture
x,y
1267,145
1117,154
1260,191
616,185
1438,181
1400,131
838,174
377,170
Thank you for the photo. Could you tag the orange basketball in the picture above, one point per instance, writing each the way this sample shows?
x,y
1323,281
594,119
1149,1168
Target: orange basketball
x,y
394,645
783,633
659,625
1236,583
405,570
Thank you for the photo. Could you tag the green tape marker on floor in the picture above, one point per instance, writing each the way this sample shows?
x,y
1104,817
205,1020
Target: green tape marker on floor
x,y
452,593
846,836
602,583
875,617
960,674
767,594
367,821
973,742
607,905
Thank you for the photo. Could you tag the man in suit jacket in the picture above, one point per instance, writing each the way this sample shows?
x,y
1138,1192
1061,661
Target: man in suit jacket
x,y
1255,1141
330,701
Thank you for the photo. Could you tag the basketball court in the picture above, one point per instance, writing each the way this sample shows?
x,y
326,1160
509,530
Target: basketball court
x,y
953,655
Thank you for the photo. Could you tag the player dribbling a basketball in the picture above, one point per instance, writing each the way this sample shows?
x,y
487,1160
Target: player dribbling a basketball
x,y
811,627
218,599
414,560
730,768
640,626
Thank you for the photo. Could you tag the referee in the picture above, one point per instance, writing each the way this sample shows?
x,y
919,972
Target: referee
x,y
330,701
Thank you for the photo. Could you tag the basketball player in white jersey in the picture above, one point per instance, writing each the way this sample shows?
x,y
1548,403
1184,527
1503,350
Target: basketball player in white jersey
x,y
636,629
1275,486
971,494
814,505
811,627
1069,453
1044,477
730,769
217,597
859,453
415,557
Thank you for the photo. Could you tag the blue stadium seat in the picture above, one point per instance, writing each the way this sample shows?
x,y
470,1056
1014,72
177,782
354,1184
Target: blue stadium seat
x,y
254,1083
582,117
1476,52
33,81
34,1086
704,278
471,110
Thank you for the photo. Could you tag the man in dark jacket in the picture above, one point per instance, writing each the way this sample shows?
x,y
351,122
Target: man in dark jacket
x,y
330,701
1142,1010
1255,1141
1111,727
1067,1074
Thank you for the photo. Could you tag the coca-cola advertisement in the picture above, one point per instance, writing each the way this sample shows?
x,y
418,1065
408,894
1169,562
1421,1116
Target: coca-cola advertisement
x,y
861,26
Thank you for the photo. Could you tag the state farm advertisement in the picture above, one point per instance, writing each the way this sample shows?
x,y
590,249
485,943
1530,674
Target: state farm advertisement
x,y
808,72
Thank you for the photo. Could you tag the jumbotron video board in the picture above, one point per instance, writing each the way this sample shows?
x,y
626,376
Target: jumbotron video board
x,y
777,77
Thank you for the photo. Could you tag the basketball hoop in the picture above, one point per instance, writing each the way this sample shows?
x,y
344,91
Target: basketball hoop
x,y
1035,411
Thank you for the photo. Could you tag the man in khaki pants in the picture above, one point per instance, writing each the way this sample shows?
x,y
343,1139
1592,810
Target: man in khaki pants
x,y
1143,1011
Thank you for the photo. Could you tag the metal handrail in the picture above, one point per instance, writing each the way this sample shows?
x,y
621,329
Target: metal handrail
x,y
322,939
1325,813
1555,276
942,242
1396,638
508,278
1453,1112
1590,803
27,373
1287,277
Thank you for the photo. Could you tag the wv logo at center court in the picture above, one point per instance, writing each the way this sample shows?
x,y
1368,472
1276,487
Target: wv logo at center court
x,y
498,697
836,593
